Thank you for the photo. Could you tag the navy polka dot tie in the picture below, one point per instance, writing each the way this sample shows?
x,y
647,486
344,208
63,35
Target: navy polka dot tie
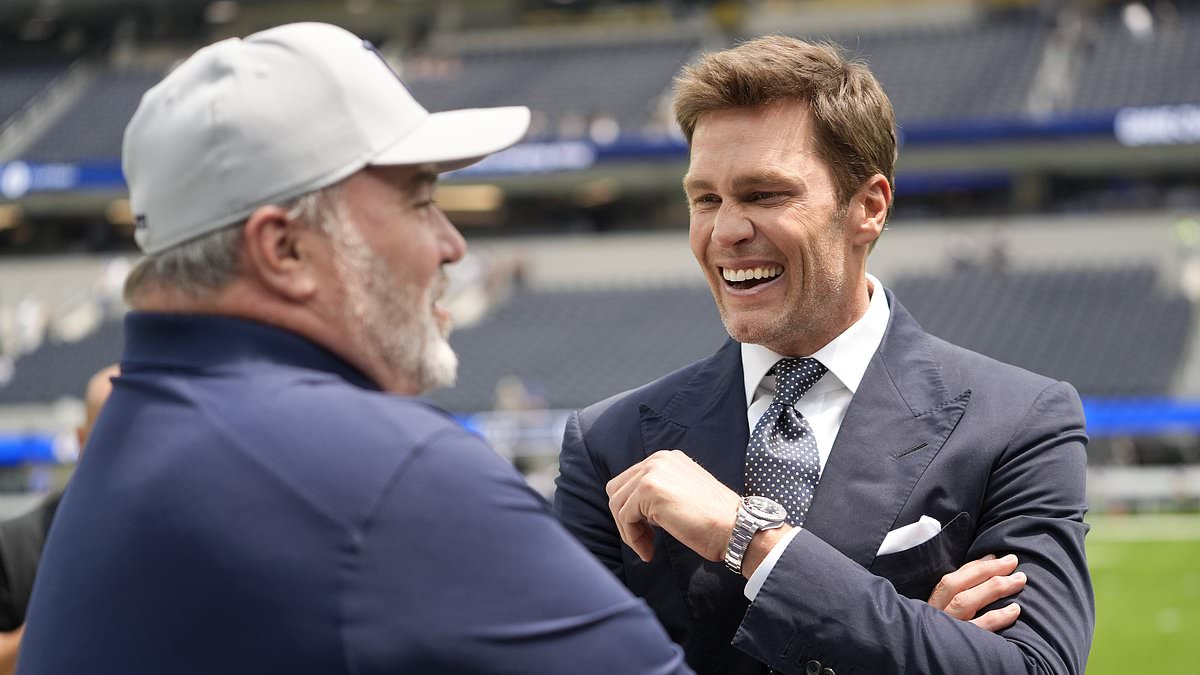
x,y
782,461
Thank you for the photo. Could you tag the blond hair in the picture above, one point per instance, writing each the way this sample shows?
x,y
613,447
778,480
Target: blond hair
x,y
853,121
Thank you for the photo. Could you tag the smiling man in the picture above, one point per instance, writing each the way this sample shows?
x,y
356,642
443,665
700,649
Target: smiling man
x,y
263,492
801,499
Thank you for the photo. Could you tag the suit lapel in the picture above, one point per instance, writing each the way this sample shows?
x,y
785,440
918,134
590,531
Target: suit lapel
x,y
898,420
706,419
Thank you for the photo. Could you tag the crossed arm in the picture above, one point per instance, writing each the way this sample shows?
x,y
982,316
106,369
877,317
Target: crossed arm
x,y
818,603
671,491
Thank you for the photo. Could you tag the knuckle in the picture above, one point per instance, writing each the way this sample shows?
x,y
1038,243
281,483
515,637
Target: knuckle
x,y
1002,585
958,605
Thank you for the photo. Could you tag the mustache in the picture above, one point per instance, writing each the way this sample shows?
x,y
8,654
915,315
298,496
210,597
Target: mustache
x,y
439,285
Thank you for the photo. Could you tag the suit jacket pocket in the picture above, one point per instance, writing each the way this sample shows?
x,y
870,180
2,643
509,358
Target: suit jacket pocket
x,y
915,571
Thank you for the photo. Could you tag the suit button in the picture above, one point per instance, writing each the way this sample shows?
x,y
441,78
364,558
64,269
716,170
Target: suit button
x,y
828,671
812,668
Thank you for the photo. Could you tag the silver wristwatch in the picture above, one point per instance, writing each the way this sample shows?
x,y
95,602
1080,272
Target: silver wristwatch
x,y
754,514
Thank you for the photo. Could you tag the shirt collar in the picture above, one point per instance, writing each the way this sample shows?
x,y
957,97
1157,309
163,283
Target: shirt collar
x,y
846,356
201,341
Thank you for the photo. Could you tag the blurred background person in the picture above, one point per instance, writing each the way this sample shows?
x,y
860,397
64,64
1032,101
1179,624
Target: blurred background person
x,y
22,537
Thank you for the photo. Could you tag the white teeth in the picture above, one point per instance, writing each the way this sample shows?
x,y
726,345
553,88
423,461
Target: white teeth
x,y
751,273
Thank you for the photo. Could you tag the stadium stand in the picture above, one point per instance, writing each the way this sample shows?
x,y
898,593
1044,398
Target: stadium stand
x,y
936,73
953,72
60,369
92,129
1154,67
620,78
574,347
1110,331
25,71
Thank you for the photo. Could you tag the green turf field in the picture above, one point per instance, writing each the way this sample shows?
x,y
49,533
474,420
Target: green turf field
x,y
1146,571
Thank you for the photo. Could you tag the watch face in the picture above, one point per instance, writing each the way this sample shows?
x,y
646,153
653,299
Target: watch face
x,y
764,508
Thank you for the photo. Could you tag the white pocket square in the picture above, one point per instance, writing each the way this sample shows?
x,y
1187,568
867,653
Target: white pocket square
x,y
904,538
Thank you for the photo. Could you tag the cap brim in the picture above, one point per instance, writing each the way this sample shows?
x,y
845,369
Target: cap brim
x,y
458,138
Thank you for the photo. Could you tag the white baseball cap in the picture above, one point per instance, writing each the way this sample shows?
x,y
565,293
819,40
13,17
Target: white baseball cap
x,y
265,119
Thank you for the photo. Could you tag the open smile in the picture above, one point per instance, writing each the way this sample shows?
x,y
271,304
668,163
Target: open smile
x,y
750,277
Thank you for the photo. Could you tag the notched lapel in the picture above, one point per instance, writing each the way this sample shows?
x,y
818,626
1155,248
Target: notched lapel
x,y
707,420
898,420
875,464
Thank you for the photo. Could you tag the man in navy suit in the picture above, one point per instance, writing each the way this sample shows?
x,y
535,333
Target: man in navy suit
x,y
807,534
263,493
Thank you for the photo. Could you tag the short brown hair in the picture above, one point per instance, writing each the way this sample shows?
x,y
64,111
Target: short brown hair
x,y
854,124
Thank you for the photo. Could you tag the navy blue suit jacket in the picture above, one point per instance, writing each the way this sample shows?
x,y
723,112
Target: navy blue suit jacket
x,y
995,453
249,503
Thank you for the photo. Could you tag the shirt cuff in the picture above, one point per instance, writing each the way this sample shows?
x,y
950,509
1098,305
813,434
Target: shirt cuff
x,y
764,569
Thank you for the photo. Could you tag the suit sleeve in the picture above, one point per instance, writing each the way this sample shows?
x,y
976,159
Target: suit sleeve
x,y
580,500
819,606
462,568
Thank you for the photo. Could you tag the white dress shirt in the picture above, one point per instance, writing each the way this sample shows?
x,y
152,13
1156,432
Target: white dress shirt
x,y
825,404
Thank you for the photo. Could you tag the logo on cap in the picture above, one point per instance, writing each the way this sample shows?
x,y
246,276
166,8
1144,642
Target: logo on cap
x,y
140,223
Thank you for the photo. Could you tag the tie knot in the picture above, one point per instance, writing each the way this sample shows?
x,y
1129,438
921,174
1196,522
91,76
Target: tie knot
x,y
794,377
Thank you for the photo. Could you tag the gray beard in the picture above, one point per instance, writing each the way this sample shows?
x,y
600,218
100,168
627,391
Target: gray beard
x,y
394,320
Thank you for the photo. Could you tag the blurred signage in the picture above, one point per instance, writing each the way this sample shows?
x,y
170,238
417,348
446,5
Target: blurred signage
x,y
1108,417
18,178
1158,125
536,158
15,179
29,449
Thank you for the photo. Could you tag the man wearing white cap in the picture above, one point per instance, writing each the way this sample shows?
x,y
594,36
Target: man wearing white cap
x,y
261,494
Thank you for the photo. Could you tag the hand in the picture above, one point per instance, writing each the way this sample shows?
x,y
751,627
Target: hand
x,y
670,490
963,592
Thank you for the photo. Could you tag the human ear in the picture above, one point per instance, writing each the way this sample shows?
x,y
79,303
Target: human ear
x,y
871,206
282,254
